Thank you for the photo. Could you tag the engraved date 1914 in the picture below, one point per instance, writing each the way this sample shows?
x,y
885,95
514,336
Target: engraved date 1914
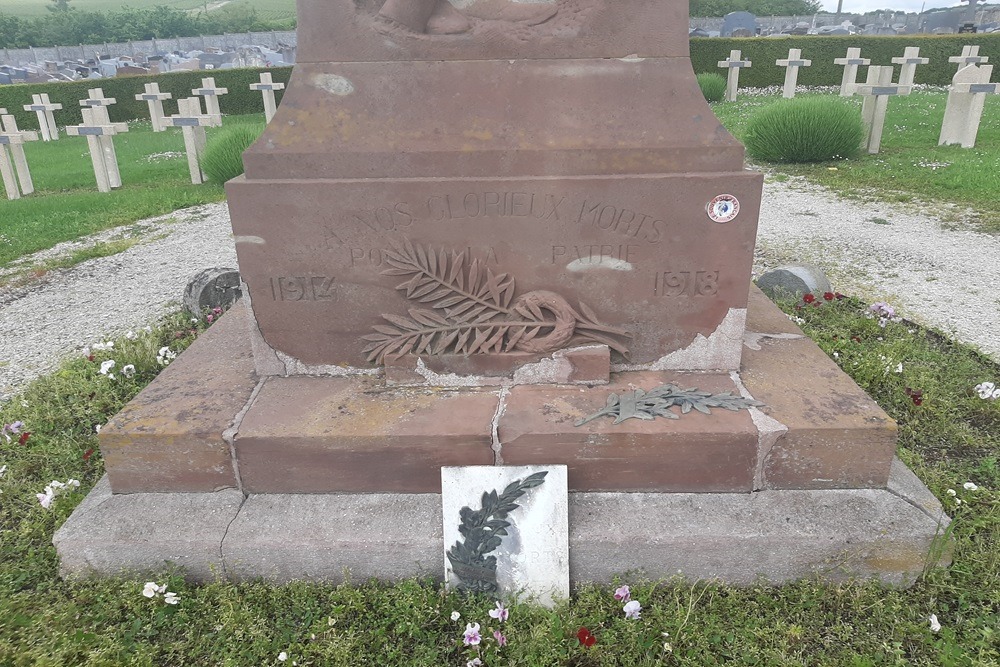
x,y
302,288
686,283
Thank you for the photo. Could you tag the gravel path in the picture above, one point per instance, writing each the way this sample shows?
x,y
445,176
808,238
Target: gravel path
x,y
932,272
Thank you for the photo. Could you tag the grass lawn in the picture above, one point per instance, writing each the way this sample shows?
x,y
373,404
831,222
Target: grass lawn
x,y
949,439
271,9
66,204
910,167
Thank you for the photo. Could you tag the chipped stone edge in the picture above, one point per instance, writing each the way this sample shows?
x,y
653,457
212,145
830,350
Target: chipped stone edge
x,y
769,431
720,351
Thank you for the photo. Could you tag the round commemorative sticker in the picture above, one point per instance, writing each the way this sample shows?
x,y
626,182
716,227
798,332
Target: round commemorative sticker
x,y
723,208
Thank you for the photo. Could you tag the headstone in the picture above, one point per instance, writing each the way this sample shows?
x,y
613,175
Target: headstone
x,y
792,64
851,63
908,64
211,93
99,134
522,552
877,90
13,163
734,63
267,88
794,281
193,123
43,108
212,288
970,56
99,104
964,110
154,99
739,24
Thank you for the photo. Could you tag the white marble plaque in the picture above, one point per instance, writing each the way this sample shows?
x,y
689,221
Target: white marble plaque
x,y
510,551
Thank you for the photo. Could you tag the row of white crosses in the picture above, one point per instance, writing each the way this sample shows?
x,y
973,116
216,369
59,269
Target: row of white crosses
x,y
13,164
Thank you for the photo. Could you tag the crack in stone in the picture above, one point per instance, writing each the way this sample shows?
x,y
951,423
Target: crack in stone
x,y
769,431
229,435
497,446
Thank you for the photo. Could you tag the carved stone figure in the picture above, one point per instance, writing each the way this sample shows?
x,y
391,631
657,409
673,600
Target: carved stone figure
x,y
440,17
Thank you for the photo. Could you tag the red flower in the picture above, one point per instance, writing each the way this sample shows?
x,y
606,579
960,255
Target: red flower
x,y
87,454
915,395
90,357
586,639
839,296
829,296
808,297
855,339
24,438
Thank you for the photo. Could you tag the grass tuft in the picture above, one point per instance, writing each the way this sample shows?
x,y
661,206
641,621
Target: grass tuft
x,y
223,157
804,129
713,86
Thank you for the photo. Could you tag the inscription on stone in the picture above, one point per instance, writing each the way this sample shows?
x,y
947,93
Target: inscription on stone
x,y
641,226
686,283
302,288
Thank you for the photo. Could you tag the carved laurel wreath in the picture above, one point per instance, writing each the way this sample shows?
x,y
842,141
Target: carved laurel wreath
x,y
475,311
483,531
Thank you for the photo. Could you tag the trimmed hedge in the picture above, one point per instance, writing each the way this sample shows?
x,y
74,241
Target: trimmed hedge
x,y
238,101
805,129
762,52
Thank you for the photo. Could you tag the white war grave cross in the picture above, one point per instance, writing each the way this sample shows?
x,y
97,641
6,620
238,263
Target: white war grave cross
x,y
849,83
734,63
877,90
43,108
154,99
99,104
267,87
970,56
792,64
193,123
211,93
908,64
964,110
105,168
12,157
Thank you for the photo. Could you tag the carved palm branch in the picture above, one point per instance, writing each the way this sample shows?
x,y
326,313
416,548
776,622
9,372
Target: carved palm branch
x,y
480,314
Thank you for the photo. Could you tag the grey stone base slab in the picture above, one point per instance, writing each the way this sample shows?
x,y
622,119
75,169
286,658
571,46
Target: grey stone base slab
x,y
772,536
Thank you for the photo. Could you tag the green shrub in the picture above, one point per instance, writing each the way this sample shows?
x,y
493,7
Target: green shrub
x,y
804,129
713,86
223,156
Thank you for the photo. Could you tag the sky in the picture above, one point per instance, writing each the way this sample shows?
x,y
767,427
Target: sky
x,y
862,6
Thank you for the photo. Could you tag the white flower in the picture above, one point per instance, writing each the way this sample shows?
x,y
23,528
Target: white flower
x,y
45,499
148,329
455,616
150,589
899,367
985,390
3,469
632,609
129,370
110,345
951,492
282,656
97,428
56,484
131,335
165,356
475,662
106,366
969,486
73,483
958,501
935,626
171,598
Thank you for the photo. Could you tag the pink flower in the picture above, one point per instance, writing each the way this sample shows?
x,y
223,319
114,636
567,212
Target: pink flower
x,y
500,613
623,594
471,637
501,640
632,609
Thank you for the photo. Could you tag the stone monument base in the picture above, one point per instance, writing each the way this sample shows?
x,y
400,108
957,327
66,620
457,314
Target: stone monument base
x,y
891,534
229,475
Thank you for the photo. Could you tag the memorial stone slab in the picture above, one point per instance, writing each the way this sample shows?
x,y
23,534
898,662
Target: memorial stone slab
x,y
506,531
734,63
43,108
792,64
739,24
524,215
964,109
851,63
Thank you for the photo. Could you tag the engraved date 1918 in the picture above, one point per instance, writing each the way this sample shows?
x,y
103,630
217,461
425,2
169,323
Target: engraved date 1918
x,y
302,288
686,283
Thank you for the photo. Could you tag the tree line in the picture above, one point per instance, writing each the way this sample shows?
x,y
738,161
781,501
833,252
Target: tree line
x,y
66,26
